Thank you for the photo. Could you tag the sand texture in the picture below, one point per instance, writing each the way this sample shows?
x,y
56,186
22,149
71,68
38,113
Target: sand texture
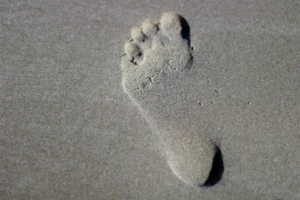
x,y
151,66
124,100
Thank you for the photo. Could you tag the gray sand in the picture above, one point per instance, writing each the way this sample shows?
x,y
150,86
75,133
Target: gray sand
x,y
151,65
68,130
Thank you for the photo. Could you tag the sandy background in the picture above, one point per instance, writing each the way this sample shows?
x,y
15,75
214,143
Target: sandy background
x,y
68,131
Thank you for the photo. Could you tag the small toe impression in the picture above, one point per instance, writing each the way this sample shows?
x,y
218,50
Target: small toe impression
x,y
133,52
149,29
175,26
137,35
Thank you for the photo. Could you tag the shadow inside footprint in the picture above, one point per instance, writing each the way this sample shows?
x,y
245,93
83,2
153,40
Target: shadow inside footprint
x,y
185,32
217,170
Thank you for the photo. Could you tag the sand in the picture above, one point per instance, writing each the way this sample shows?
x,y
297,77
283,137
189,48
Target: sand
x,y
69,131
158,50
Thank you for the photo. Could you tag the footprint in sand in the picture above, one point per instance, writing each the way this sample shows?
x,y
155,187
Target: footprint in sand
x,y
157,49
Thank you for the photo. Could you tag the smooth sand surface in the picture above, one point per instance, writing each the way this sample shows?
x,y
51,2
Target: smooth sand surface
x,y
69,131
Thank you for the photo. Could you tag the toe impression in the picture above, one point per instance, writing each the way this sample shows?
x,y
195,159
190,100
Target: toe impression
x,y
133,52
171,25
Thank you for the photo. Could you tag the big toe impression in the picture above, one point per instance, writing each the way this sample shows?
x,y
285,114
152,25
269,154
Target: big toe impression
x,y
171,24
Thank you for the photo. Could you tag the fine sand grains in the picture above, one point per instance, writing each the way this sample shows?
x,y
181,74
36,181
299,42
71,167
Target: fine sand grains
x,y
157,48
